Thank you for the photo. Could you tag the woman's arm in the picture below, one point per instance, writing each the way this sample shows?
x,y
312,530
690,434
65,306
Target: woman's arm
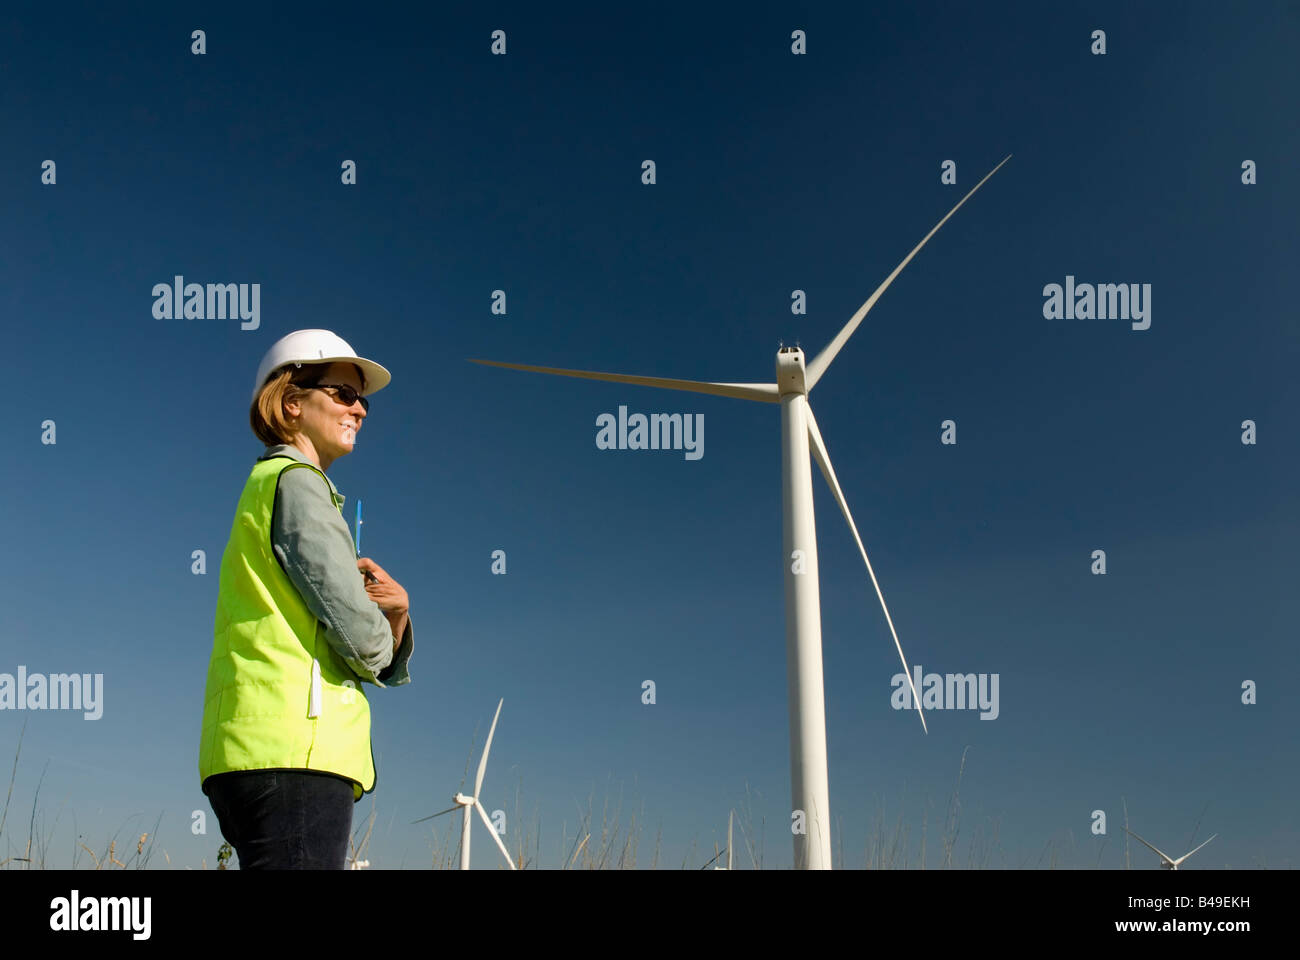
x,y
312,542
398,624
397,672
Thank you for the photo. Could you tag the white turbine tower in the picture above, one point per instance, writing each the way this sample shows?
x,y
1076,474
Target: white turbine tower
x,y
799,434
469,804
730,817
1167,862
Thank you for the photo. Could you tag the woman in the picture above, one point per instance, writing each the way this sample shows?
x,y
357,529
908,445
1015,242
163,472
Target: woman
x,y
285,748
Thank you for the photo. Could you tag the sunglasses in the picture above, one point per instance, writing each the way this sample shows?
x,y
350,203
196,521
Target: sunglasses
x,y
343,393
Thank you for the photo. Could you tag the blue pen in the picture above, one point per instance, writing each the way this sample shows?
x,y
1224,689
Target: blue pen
x,y
357,538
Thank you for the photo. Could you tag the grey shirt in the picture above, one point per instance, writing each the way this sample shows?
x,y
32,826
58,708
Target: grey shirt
x,y
315,547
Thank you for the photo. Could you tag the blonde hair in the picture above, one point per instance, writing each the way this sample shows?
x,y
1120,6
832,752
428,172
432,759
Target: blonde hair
x,y
267,415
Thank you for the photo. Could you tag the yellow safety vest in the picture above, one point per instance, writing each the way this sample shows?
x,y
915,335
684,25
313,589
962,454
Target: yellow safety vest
x,y
278,695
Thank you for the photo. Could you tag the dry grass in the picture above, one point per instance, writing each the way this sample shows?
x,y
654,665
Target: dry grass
x,y
38,843
612,844
893,852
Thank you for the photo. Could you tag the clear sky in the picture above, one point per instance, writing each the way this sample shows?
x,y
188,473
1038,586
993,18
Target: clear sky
x,y
775,172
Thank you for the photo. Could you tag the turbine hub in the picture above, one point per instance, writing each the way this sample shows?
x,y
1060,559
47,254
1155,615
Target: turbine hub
x,y
790,371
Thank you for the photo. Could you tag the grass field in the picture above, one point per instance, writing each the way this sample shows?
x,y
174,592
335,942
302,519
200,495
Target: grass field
x,y
615,843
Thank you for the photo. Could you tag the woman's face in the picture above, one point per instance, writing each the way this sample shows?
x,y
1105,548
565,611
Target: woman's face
x,y
327,429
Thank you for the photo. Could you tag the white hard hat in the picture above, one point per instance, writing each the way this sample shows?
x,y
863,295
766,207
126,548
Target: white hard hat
x,y
317,346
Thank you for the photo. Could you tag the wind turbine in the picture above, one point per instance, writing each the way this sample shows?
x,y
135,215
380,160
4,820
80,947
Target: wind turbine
x,y
468,804
1167,862
799,433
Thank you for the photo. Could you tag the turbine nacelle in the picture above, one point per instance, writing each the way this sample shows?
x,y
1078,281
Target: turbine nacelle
x,y
791,374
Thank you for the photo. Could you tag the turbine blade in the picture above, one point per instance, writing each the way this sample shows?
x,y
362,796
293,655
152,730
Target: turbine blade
x,y
495,836
765,392
1190,852
823,359
824,461
438,814
1162,854
482,764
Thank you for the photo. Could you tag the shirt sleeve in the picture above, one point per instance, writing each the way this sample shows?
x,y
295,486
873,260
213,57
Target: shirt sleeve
x,y
314,546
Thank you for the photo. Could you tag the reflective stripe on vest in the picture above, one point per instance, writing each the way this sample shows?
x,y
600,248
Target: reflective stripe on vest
x,y
278,695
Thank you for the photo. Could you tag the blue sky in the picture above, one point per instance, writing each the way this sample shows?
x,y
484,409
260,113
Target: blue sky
x,y
775,172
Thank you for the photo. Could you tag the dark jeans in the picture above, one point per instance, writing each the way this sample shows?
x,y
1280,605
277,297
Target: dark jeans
x,y
284,819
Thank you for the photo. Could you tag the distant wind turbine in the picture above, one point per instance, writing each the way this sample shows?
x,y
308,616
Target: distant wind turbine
x,y
469,804
799,434
1167,862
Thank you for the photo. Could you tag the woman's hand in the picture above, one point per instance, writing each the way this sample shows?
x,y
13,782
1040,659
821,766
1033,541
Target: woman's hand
x,y
383,589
